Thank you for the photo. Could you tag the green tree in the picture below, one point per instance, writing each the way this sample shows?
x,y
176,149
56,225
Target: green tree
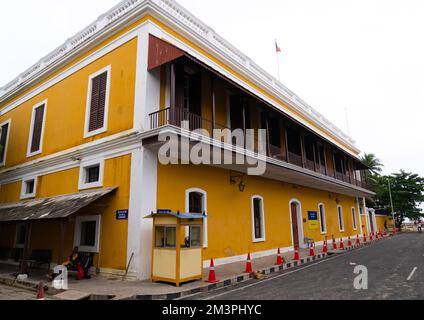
x,y
375,164
407,193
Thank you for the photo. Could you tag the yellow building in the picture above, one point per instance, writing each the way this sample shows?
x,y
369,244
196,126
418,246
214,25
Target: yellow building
x,y
81,131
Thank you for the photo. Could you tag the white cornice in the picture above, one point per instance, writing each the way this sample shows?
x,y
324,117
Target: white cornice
x,y
125,11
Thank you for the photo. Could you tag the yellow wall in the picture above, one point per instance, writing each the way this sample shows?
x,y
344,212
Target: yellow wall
x,y
229,210
381,221
66,107
45,235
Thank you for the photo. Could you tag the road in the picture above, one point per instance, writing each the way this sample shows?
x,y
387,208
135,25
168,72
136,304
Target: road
x,y
395,271
11,293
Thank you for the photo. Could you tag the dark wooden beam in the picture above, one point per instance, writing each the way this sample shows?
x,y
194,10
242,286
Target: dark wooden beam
x,y
62,232
25,256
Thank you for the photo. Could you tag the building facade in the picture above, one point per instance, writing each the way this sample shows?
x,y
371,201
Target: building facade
x,y
81,132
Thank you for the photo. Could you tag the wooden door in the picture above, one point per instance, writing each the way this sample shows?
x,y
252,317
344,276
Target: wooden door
x,y
295,225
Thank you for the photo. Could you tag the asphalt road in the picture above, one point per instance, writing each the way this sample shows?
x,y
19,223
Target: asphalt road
x,y
11,293
395,271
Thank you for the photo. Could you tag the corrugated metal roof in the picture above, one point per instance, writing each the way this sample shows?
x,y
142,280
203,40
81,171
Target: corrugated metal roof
x,y
50,208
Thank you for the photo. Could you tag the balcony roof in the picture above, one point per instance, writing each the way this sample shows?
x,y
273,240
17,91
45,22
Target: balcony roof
x,y
169,10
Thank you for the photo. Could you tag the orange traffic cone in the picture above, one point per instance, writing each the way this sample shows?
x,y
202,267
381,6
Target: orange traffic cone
x,y
358,242
341,243
279,258
371,236
212,275
311,250
349,242
377,236
248,265
365,238
325,247
385,232
41,294
296,254
334,243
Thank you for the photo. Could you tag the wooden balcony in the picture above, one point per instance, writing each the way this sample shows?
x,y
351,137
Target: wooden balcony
x,y
176,116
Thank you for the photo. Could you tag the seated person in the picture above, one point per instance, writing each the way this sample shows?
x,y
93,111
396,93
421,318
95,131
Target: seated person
x,y
72,261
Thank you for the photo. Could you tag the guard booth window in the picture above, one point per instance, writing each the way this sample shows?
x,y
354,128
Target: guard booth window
x,y
193,237
165,237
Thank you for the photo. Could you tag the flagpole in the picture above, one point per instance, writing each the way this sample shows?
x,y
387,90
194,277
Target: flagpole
x,y
278,62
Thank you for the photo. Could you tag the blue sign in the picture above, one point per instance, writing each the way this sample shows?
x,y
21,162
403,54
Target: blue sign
x,y
164,211
122,214
312,215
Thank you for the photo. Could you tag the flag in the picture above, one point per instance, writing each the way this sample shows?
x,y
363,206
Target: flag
x,y
277,48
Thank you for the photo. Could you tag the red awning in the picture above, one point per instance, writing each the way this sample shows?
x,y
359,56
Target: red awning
x,y
161,52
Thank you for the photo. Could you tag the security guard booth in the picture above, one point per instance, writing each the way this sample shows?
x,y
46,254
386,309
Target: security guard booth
x,y
177,254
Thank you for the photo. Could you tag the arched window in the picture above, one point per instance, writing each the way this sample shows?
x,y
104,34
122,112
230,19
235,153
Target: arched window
x,y
258,219
354,219
340,216
196,202
322,218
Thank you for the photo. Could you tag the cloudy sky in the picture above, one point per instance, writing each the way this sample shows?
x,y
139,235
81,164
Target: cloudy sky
x,y
361,60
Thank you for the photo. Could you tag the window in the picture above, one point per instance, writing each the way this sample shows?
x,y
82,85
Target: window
x,y
28,189
196,202
340,215
36,131
322,219
97,102
4,138
87,233
193,236
91,175
354,218
21,231
258,219
165,237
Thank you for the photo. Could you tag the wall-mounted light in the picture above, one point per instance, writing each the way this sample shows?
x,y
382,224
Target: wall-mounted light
x,y
338,201
238,177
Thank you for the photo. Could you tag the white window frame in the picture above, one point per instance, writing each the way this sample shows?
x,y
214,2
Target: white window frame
x,y
205,208
87,133
25,195
263,227
322,223
9,122
82,185
31,129
77,233
354,220
340,216
16,244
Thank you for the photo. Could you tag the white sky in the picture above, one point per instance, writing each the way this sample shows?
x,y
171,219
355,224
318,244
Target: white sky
x,y
363,55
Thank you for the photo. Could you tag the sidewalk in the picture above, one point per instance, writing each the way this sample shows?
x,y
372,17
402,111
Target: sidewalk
x,y
100,287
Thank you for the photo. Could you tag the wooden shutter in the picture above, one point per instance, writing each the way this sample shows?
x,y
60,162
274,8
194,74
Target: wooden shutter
x,y
3,140
37,128
98,102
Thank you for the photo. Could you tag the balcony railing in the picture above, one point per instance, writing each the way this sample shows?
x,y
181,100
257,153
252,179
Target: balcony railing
x,y
295,159
176,116
277,153
310,165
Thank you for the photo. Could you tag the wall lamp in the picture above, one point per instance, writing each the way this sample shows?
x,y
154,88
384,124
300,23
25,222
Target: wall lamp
x,y
238,177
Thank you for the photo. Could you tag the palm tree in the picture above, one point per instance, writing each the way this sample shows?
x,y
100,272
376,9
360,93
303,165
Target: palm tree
x,y
375,164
